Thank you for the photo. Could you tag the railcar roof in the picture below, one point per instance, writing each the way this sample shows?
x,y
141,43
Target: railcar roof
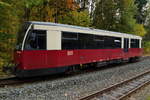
x,y
78,27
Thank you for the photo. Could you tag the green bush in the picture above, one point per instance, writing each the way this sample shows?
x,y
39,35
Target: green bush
x,y
146,46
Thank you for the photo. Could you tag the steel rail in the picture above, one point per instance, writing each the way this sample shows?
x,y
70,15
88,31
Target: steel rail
x,y
106,92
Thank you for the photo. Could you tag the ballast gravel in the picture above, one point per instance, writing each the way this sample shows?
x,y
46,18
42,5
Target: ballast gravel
x,y
143,94
74,87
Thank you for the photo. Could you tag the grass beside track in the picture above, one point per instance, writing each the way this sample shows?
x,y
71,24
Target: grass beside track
x,y
148,98
147,55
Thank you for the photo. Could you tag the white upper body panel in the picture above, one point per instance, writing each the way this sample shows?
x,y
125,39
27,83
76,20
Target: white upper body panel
x,y
54,33
53,40
70,28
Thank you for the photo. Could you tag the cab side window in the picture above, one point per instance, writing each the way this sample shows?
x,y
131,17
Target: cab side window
x,y
36,40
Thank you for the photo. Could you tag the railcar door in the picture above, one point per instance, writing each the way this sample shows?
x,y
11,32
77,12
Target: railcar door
x,y
126,45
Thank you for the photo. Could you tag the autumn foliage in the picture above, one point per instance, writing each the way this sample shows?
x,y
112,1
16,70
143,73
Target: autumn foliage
x,y
129,16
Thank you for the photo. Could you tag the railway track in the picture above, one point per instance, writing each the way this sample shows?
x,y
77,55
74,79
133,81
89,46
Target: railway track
x,y
14,81
9,81
121,90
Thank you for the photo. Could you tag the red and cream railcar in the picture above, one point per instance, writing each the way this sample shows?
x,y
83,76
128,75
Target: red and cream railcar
x,y
47,48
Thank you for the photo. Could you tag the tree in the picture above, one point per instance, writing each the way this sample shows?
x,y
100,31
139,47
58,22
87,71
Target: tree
x,y
4,15
76,18
142,11
127,11
7,30
83,4
104,16
47,10
139,30
117,16
128,22
147,22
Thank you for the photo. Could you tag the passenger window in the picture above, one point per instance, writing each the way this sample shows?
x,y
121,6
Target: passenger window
x,y
117,42
69,40
99,42
135,43
86,41
36,40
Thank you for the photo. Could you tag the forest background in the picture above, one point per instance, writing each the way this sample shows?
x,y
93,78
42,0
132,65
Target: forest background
x,y
128,16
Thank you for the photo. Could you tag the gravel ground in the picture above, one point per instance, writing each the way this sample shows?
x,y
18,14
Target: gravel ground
x,y
143,94
71,88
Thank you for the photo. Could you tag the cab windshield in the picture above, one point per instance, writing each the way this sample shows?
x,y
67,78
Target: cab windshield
x,y
21,34
36,40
